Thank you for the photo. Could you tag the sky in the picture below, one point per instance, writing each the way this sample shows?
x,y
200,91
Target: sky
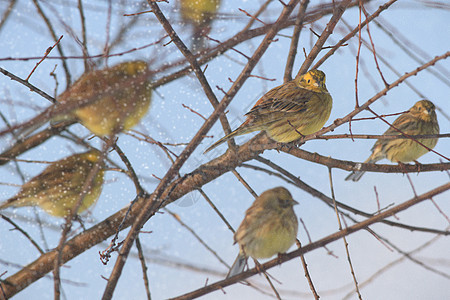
x,y
177,262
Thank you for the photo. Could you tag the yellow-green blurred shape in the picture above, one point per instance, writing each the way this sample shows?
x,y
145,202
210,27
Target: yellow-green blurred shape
x,y
420,119
119,97
302,105
58,188
199,13
269,227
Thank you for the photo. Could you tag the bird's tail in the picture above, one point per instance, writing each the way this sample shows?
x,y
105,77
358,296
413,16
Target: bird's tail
x,y
356,175
12,202
238,265
224,139
4,205
23,130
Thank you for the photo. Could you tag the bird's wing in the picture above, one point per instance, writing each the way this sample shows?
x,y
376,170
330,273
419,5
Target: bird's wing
x,y
52,176
285,99
403,123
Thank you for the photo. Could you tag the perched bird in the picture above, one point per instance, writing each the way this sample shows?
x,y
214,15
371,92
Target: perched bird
x,y
420,119
302,105
270,227
105,101
58,188
122,93
199,13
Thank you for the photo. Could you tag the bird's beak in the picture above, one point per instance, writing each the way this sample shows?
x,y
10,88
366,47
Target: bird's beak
x,y
295,202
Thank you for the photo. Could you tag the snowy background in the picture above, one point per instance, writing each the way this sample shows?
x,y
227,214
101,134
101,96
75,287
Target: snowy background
x,y
177,262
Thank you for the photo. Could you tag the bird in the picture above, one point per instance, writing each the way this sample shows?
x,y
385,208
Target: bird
x,y
106,101
122,93
199,13
58,188
419,119
298,107
269,227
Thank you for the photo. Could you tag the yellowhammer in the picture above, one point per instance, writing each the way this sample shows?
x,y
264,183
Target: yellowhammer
x,y
199,13
302,105
105,101
420,119
270,227
122,96
57,189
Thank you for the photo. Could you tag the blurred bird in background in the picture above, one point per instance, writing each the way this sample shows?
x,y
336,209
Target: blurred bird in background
x,y
59,187
199,13
105,101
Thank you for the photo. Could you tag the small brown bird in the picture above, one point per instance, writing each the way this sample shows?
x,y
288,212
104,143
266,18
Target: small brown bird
x,y
58,188
270,227
122,93
420,119
106,101
302,105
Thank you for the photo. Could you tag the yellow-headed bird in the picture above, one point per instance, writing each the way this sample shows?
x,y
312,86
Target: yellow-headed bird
x,y
302,105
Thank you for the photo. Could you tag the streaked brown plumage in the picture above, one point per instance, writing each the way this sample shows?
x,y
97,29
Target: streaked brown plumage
x,y
270,227
301,105
57,189
420,119
105,101
123,94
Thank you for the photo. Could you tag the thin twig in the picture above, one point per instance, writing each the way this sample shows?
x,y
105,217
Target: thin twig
x,y
83,35
55,38
305,269
221,216
47,52
28,85
144,268
244,183
338,11
388,266
7,13
355,31
139,189
294,41
197,237
352,271
17,227
256,15
277,295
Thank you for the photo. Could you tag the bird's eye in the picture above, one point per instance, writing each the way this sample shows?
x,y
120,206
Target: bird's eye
x,y
309,80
